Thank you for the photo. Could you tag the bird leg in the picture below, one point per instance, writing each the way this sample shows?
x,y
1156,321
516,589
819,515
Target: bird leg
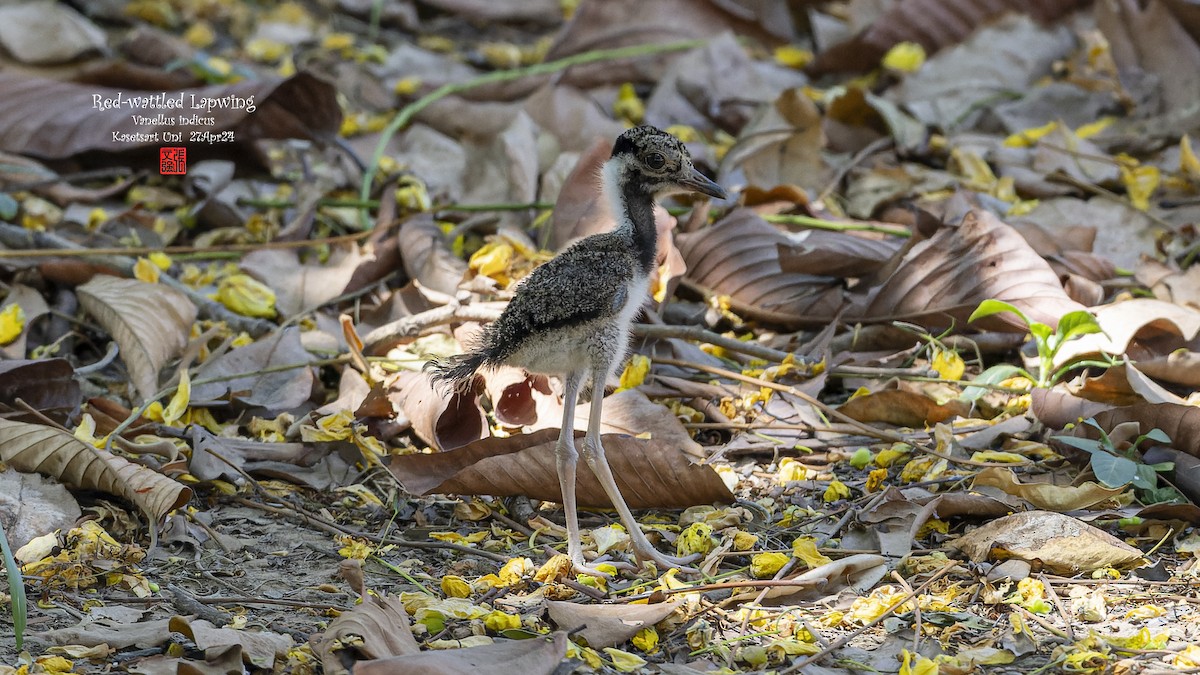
x,y
593,454
565,458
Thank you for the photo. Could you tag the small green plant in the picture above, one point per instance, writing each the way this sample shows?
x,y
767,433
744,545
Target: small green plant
x,y
16,589
1048,340
1116,468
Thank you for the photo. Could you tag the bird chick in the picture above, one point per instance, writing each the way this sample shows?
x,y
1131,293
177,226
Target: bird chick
x,y
571,317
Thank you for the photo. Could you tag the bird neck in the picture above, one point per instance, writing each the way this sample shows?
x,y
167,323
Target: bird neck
x,y
633,209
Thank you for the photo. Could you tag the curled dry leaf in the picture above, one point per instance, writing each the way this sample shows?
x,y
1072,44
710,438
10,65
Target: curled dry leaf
x,y
444,422
834,254
739,258
57,120
932,23
1162,327
47,385
32,447
377,629
858,573
781,145
902,408
259,648
521,399
1060,543
426,257
1045,496
945,277
256,373
607,625
1056,408
650,473
149,322
301,286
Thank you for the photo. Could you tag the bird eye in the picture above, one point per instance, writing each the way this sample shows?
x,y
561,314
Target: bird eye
x,y
655,160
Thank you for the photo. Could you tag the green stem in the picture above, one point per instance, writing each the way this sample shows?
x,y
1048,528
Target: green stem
x,y
408,112
835,226
16,590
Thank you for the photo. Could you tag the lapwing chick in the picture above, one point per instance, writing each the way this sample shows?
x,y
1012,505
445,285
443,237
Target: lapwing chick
x,y
571,317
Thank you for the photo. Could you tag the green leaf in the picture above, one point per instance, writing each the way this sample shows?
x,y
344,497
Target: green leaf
x,y
1145,478
16,590
1088,444
1157,435
1074,324
990,307
1113,471
1041,332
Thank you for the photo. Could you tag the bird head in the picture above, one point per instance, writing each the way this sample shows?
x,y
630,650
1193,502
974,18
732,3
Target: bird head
x,y
653,162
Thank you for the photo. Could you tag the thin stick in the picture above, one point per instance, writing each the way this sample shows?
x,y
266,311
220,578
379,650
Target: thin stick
x,y
178,250
865,429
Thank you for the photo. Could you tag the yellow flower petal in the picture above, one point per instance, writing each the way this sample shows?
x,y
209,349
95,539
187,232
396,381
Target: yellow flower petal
x,y
765,565
904,57
12,322
246,296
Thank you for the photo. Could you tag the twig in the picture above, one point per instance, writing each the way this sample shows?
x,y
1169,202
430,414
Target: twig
x,y
233,600
865,429
842,641
75,252
1059,606
410,111
336,529
411,326
916,644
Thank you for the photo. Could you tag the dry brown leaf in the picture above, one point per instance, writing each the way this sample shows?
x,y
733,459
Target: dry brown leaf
x,y
33,306
444,422
426,257
303,285
739,258
932,23
47,33
541,655
1044,496
948,275
1162,326
835,254
57,120
902,408
782,145
47,385
252,379
521,399
1060,543
487,11
259,648
377,629
149,322
116,634
1056,408
650,473
858,573
605,24
32,447
1148,38
607,625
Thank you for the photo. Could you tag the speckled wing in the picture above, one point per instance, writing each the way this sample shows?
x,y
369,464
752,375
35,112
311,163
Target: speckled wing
x,y
578,286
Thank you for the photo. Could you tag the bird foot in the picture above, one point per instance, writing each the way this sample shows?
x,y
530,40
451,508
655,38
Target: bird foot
x,y
665,562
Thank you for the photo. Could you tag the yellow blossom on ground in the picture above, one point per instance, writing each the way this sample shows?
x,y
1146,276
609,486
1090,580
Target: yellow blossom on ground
x,y
792,57
12,322
554,569
1027,138
765,565
628,106
866,609
355,549
1140,183
875,480
455,586
792,470
888,456
915,664
624,661
646,639
836,490
1030,594
515,570
499,621
744,541
635,372
948,364
805,548
1188,658
697,538
179,401
246,296
904,57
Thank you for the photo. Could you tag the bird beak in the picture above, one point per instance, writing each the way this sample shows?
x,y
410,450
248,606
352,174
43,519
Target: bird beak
x,y
698,182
